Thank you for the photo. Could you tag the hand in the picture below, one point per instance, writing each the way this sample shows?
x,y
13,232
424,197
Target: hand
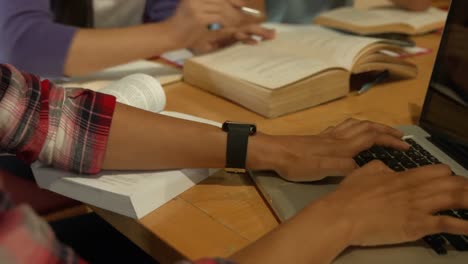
x,y
192,17
214,40
331,153
384,207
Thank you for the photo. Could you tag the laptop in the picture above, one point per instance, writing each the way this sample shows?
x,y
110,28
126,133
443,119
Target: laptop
x,y
440,137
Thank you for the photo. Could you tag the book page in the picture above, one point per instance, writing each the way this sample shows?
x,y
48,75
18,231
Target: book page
x,y
164,74
129,193
414,19
358,17
128,182
323,44
382,16
138,90
296,53
267,68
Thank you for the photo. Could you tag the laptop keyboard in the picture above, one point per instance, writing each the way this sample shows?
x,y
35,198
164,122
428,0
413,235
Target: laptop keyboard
x,y
417,156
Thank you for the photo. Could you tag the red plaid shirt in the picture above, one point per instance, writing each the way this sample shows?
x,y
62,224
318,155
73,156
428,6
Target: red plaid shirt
x,y
65,128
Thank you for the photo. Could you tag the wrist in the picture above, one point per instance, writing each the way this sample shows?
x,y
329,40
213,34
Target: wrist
x,y
328,214
175,33
266,152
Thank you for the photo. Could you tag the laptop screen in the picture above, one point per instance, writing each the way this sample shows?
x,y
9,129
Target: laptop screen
x,y
445,112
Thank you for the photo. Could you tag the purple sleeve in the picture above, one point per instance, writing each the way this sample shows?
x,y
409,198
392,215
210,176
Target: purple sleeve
x,y
29,38
159,10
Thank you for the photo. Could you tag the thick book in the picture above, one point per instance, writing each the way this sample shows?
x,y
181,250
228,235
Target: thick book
x,y
383,20
302,67
130,193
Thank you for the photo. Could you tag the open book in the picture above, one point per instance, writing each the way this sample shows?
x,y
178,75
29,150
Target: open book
x,y
129,193
303,67
383,20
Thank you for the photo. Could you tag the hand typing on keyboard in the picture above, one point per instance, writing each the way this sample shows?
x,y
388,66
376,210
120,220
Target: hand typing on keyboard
x,y
331,152
372,206
387,207
417,156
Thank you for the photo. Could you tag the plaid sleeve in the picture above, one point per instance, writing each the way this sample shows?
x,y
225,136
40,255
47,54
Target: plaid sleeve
x,y
26,238
65,128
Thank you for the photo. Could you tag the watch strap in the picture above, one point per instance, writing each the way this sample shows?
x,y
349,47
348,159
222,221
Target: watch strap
x,y
236,149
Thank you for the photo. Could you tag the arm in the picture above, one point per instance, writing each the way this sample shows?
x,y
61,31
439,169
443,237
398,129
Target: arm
x,y
144,140
116,46
353,215
133,139
414,5
24,27
95,49
307,238
26,24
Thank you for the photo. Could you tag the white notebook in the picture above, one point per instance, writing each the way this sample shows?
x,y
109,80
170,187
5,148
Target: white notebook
x,y
130,193
163,73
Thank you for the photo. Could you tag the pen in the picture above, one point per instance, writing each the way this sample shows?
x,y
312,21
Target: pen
x,y
246,10
378,79
251,11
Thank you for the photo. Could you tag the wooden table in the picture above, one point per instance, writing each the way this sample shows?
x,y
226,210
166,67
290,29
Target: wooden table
x,y
225,213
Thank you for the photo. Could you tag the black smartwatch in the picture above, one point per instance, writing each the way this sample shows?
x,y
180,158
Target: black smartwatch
x,y
237,142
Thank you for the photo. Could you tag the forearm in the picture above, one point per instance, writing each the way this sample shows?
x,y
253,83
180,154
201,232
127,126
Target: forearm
x,y
315,235
145,141
95,49
414,5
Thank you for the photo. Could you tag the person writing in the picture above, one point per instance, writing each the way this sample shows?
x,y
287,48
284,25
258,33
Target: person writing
x,y
97,133
33,40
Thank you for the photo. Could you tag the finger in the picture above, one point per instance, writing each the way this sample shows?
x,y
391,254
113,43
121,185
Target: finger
x,y
250,41
410,182
373,167
443,224
428,187
202,48
444,200
423,177
241,36
370,138
318,168
332,166
257,30
233,15
245,38
363,126
213,18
